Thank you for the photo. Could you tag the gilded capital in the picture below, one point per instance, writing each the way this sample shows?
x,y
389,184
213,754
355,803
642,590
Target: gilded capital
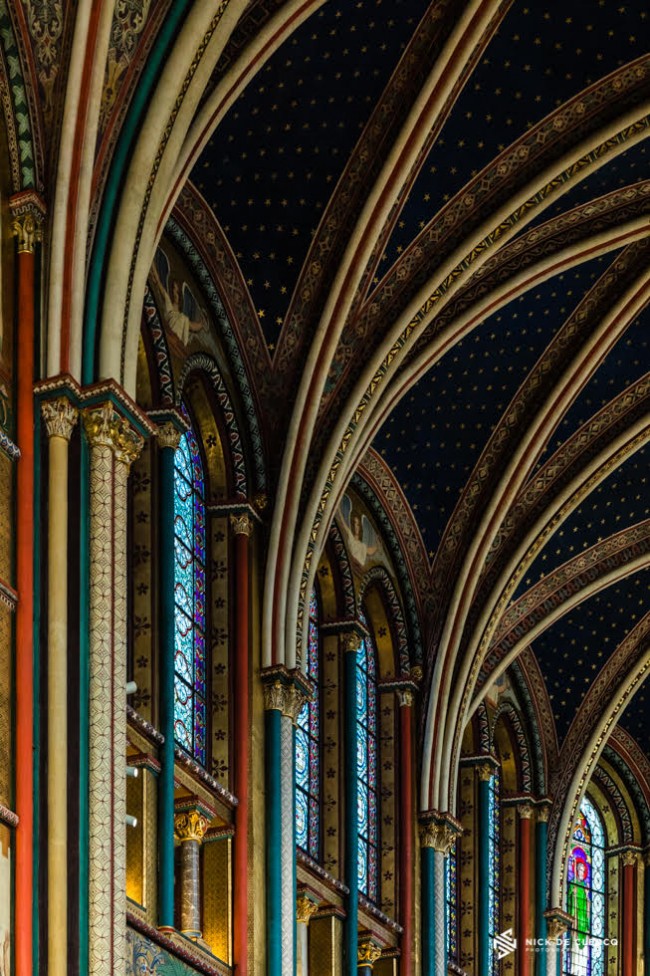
x,y
27,230
98,424
525,811
127,442
168,435
242,524
485,772
405,697
305,908
438,835
368,952
351,641
190,825
60,416
629,858
543,813
275,696
260,501
557,922
416,673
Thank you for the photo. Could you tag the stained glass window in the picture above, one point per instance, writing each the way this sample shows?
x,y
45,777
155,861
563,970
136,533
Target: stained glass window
x,y
451,884
494,844
189,598
367,770
308,765
585,955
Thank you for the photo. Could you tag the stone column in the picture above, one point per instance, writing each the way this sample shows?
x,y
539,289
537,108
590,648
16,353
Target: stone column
x,y
60,417
368,953
438,834
350,644
627,889
525,837
405,698
27,217
284,695
557,924
305,908
190,826
113,444
242,527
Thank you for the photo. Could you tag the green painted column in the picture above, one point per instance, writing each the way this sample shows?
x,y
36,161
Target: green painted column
x,y
168,440
438,834
273,730
485,773
541,852
351,643
427,871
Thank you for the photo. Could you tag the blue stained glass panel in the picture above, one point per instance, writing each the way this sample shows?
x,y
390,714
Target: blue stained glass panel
x,y
190,708
367,769
307,748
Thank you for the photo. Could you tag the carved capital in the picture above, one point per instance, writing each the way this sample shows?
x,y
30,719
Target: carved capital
x,y
168,435
27,216
260,501
557,923
405,697
242,524
485,772
305,908
127,442
368,952
438,835
60,416
416,673
525,811
98,424
190,825
274,696
629,858
350,641
543,813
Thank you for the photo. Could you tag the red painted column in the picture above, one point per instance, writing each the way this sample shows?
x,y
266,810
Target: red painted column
x,y
242,527
26,219
524,899
405,697
628,913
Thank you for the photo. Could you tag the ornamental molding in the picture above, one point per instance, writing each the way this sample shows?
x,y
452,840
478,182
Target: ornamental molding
x,y
60,417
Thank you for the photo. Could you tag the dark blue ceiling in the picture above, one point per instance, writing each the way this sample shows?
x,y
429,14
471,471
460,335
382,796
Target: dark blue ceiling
x,y
543,54
435,435
572,651
271,167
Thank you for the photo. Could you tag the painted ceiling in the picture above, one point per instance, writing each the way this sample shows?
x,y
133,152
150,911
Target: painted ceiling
x,y
540,353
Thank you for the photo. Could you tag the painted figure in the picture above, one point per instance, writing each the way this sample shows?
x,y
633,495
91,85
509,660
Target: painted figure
x,y
182,315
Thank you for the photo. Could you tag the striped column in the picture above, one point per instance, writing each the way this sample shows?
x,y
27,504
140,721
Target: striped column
x,y
627,890
242,527
541,853
60,417
113,446
350,644
168,439
285,692
26,219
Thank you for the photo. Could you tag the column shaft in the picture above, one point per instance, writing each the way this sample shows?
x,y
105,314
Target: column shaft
x,y
288,846
24,892
427,870
190,889
242,757
485,949
524,889
440,912
273,842
646,916
351,941
541,844
166,684
406,820
57,710
628,915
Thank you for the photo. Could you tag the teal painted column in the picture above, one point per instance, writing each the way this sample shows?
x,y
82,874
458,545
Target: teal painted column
x,y
646,915
438,834
350,644
485,773
285,692
427,870
168,440
541,852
